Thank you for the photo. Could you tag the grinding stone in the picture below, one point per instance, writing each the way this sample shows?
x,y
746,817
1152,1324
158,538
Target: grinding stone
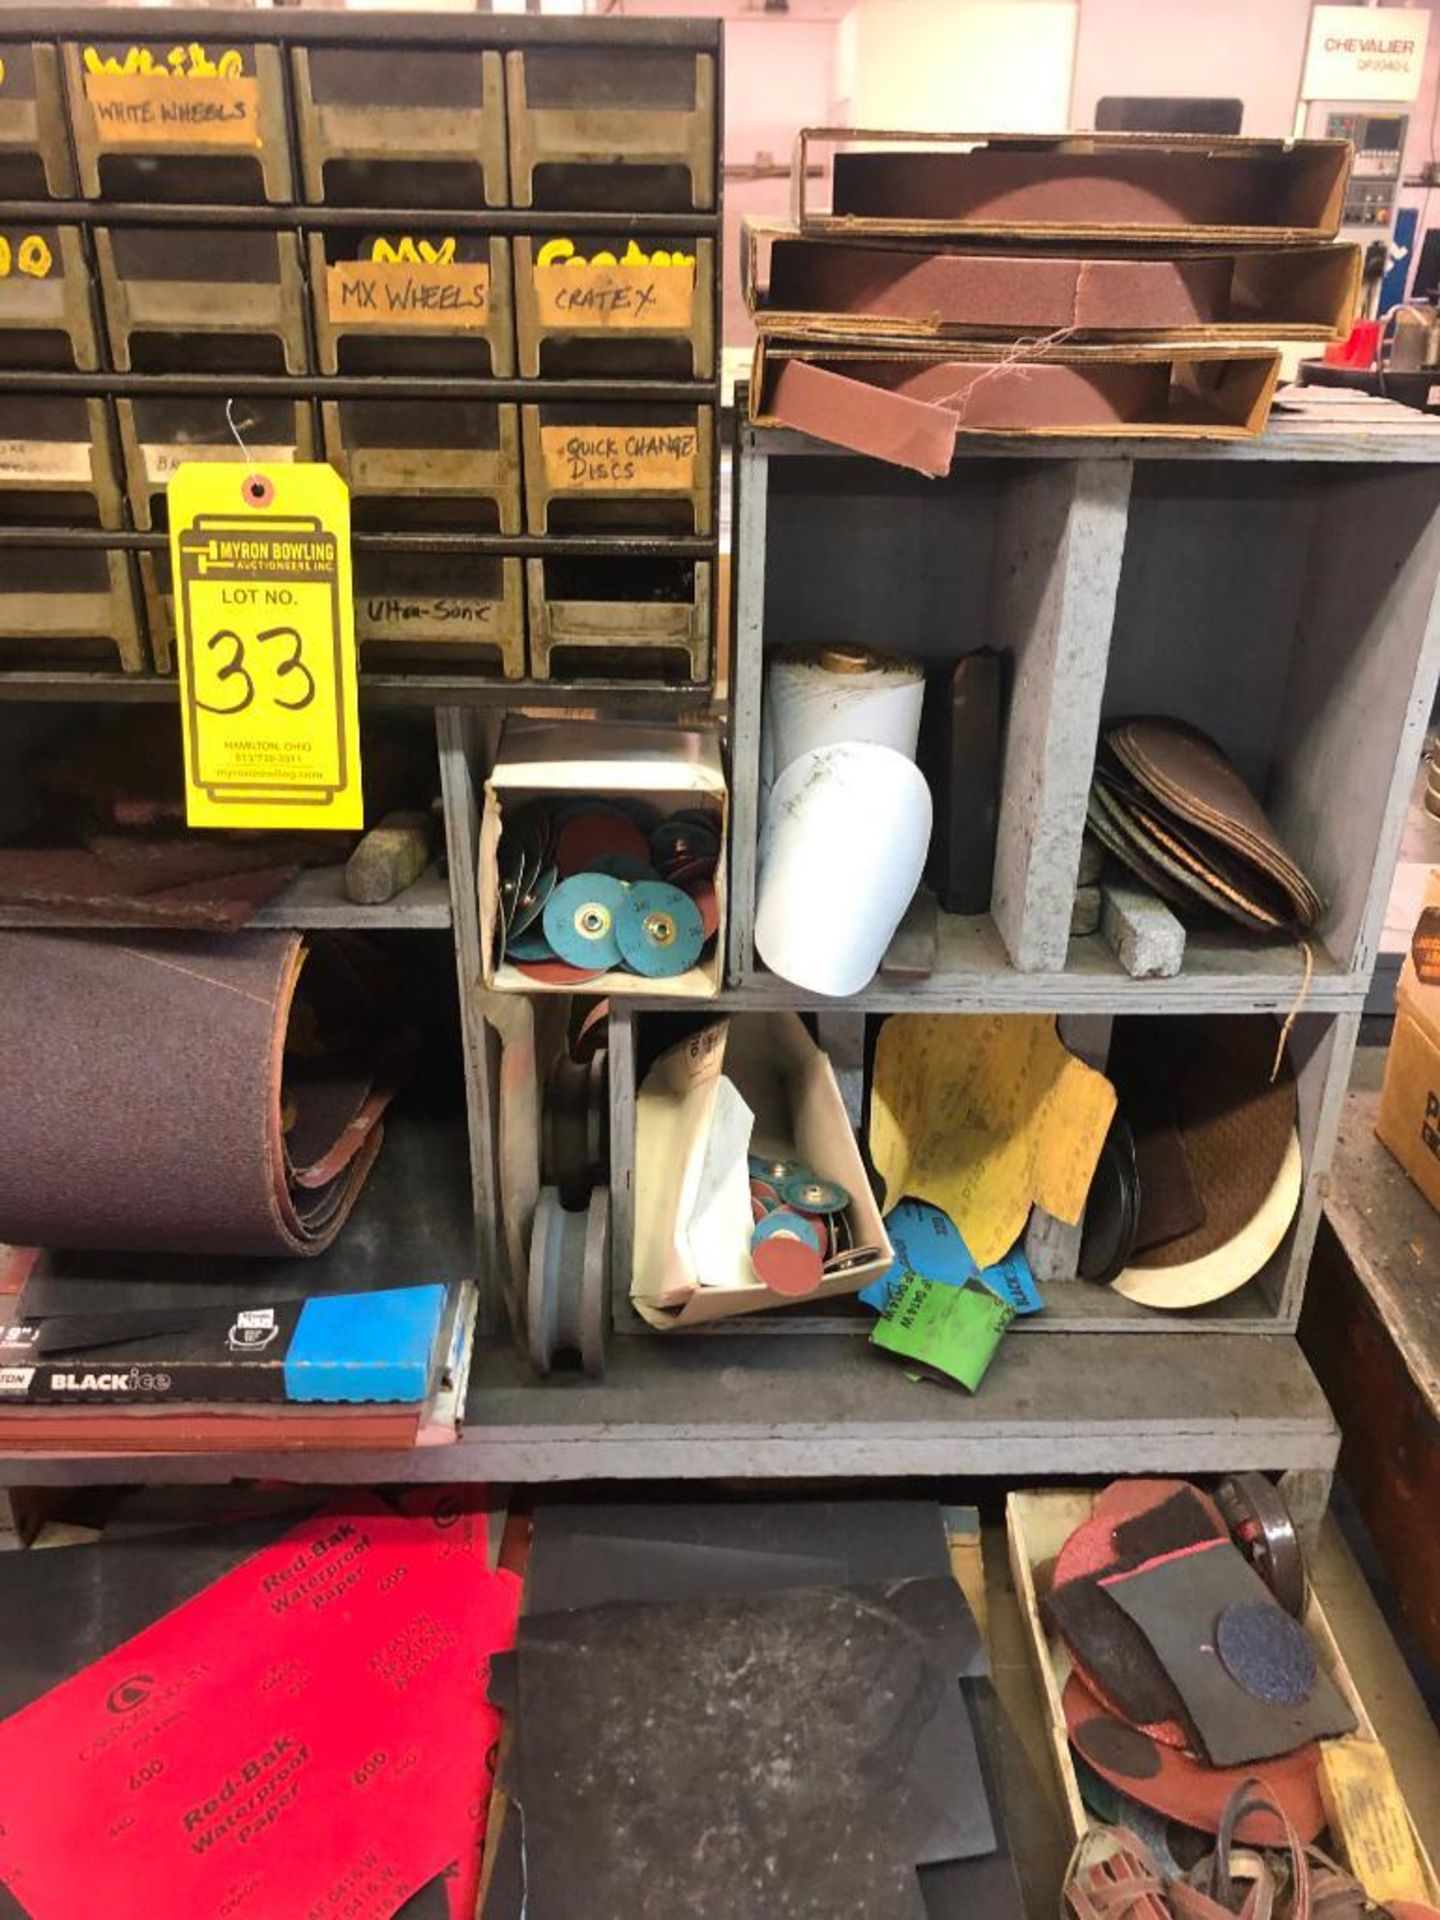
x,y
1267,1652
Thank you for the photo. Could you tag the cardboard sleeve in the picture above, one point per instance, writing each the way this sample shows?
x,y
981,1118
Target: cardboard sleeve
x,y
1186,188
799,284
908,405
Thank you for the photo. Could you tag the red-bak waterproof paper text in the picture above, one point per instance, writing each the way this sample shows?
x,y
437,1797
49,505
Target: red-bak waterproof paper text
x,y
309,1737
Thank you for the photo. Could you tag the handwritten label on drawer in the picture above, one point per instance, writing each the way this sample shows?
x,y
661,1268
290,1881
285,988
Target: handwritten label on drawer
x,y
620,459
64,461
154,110
381,616
161,459
394,293
619,298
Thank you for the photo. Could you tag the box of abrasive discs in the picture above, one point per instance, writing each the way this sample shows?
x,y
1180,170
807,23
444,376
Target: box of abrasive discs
x,y
1409,1119
602,861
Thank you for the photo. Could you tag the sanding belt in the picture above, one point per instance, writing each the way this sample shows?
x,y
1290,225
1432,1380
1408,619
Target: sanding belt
x,y
151,1105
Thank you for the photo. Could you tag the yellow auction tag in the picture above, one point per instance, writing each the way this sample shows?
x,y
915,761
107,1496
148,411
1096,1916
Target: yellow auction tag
x,y
266,645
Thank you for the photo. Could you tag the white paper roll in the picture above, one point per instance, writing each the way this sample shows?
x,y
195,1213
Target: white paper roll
x,y
841,855
833,694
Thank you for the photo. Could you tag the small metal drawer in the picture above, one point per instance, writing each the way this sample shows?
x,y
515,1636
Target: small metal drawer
x,y
160,433
603,306
632,129
414,464
401,126
34,145
58,465
426,303
47,310
157,121
630,618
447,609
203,299
69,609
601,469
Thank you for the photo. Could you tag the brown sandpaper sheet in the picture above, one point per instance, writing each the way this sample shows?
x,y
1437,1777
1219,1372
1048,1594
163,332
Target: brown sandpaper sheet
x,y
145,1091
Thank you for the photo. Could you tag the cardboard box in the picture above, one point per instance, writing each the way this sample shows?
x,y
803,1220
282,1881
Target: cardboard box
x,y
908,405
790,1086
1037,1525
1186,188
823,285
544,759
1409,1119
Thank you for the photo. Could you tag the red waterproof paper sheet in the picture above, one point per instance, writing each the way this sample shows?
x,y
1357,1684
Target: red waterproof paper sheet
x,y
309,1737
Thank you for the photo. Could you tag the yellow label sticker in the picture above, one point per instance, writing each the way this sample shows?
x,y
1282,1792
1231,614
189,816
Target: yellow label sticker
x,y
151,110
620,459
392,293
265,631
593,297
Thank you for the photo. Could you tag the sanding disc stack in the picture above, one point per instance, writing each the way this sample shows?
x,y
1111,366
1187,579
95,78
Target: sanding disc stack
x,y
1202,1171
1170,807
1188,1675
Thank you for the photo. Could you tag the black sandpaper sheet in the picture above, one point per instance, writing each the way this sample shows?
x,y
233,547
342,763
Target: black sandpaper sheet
x,y
790,1756
1179,1522
584,1556
1176,1602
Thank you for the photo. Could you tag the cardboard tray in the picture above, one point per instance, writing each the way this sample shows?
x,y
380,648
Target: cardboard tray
x,y
881,399
1225,189
821,286
541,759
790,1086
1037,1525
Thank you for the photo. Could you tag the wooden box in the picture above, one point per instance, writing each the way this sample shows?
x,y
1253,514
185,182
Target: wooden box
x,y
203,299
34,143
449,610
602,307
47,311
631,128
597,469
163,120
427,463
627,617
1037,1525
429,303
68,609
159,434
401,126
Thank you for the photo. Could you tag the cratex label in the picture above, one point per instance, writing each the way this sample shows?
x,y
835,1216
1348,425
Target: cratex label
x,y
614,292
260,557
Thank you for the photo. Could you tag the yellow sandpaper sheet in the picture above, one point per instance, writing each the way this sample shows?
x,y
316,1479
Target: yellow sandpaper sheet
x,y
985,1116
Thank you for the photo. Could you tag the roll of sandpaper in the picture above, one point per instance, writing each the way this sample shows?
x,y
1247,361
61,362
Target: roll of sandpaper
x,y
841,693
190,1094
